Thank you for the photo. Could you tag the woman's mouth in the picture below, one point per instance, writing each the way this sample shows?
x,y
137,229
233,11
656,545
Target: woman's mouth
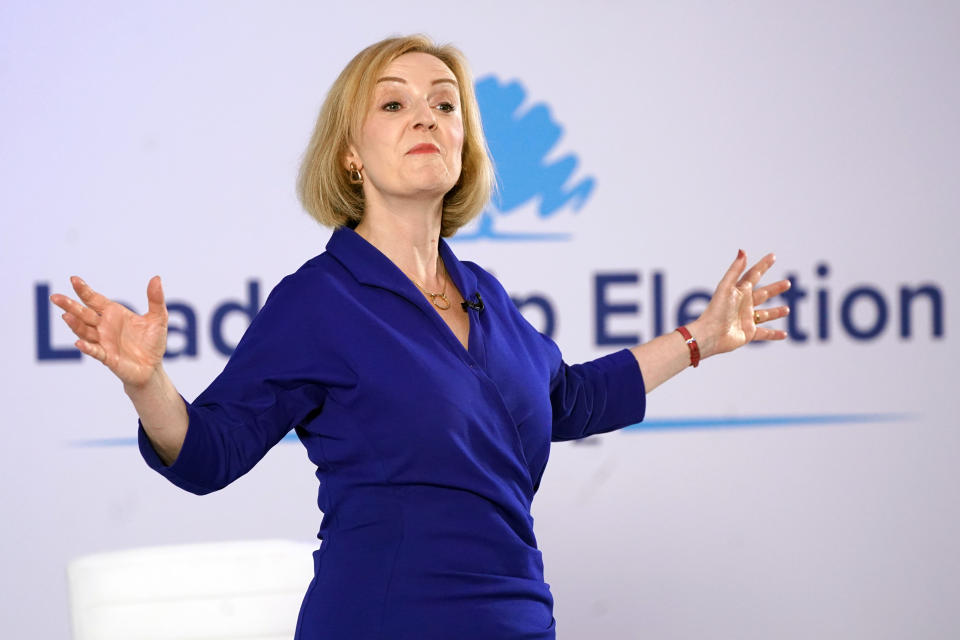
x,y
424,148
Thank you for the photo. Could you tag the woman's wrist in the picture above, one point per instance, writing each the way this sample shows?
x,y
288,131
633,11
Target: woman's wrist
x,y
705,341
156,385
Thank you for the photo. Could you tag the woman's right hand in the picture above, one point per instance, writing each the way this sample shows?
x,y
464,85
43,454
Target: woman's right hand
x,y
130,345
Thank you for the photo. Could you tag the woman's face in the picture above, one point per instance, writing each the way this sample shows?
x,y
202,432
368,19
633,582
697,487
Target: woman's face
x,y
412,137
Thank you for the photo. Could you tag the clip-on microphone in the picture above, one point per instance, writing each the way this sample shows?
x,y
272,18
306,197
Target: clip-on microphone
x,y
476,305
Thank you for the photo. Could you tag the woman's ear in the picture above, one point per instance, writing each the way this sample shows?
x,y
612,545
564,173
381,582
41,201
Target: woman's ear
x,y
351,160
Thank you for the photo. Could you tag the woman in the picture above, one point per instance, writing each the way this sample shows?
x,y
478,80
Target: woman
x,y
424,398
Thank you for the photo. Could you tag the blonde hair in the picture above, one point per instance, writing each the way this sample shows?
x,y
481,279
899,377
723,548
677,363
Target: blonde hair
x,y
323,184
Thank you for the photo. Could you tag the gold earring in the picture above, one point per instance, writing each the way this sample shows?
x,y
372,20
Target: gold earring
x,y
355,176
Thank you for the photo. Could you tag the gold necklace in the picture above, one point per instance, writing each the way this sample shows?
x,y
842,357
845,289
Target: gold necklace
x,y
433,296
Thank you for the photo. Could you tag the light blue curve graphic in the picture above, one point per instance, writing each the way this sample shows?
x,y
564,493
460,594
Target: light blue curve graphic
x,y
519,142
739,422
662,424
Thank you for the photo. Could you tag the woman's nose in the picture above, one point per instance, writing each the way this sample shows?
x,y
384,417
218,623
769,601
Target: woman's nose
x,y
425,118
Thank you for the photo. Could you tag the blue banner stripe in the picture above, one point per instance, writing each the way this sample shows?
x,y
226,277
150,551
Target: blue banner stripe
x,y
662,424
734,422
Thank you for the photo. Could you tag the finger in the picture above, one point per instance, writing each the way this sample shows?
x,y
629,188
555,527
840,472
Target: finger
x,y
76,309
93,350
764,293
80,328
774,313
91,298
730,277
155,299
763,333
756,272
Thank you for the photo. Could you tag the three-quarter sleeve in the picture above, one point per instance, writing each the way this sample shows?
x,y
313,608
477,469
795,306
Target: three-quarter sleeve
x,y
271,383
597,396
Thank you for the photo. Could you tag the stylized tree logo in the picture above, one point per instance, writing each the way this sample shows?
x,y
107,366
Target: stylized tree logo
x,y
519,142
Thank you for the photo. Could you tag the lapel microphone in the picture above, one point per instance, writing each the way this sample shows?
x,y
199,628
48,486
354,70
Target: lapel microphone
x,y
476,305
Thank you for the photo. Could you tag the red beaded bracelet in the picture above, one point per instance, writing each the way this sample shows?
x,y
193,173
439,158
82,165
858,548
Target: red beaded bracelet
x,y
692,345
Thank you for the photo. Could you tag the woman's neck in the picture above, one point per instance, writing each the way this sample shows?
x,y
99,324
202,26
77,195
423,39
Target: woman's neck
x,y
408,235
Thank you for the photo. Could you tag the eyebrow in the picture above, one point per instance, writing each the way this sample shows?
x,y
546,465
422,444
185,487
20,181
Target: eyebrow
x,y
396,79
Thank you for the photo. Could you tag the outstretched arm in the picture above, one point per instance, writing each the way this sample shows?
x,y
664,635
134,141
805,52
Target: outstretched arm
x,y
132,347
730,321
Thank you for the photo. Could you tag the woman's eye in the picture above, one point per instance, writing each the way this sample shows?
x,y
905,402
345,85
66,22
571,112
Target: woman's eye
x,y
446,107
392,106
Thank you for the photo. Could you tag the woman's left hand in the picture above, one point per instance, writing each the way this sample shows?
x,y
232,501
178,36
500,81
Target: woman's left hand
x,y
732,318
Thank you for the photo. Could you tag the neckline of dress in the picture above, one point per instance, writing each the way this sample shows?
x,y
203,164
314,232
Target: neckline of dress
x,y
373,267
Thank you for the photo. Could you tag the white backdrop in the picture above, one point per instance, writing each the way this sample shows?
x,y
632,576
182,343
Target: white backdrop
x,y
798,490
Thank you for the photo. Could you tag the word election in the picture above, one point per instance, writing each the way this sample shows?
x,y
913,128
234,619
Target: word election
x,y
862,313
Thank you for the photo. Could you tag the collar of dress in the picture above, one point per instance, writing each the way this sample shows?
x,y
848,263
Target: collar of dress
x,y
371,267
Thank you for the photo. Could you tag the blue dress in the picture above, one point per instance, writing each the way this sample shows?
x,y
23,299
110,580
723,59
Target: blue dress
x,y
428,454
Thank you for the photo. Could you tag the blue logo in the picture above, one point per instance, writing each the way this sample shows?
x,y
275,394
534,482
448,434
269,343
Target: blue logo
x,y
520,141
